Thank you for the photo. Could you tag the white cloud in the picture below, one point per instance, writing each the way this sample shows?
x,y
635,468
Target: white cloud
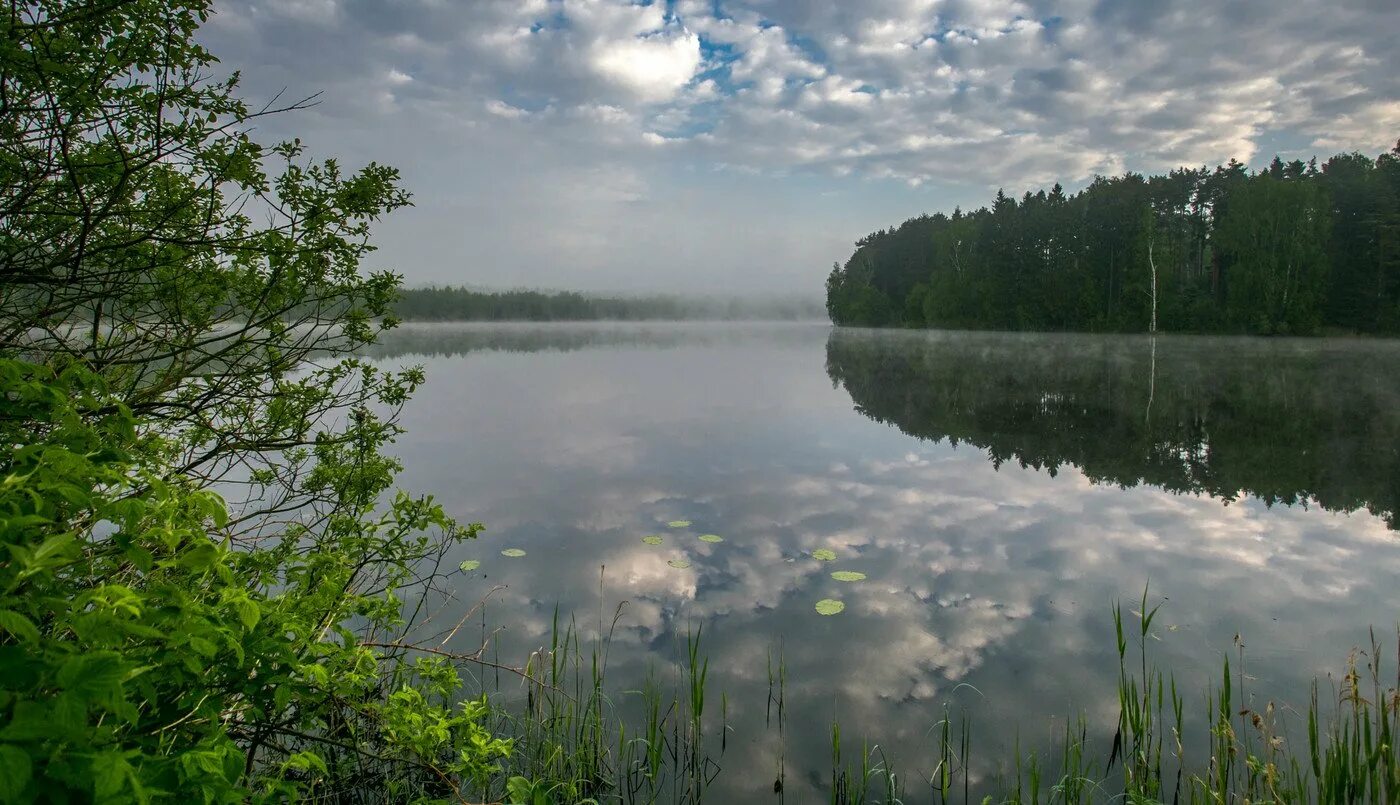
x,y
1361,126
985,91
500,108
654,67
954,96
318,11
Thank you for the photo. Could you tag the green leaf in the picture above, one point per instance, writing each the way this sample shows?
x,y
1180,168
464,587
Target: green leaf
x,y
202,646
652,539
679,524
514,553
53,546
19,626
824,555
469,565
15,771
199,556
830,606
519,790
249,613
110,773
307,761
711,538
848,575
29,721
679,564
93,674
22,521
143,559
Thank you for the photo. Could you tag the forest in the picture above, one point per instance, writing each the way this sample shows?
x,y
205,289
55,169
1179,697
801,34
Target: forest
x,y
443,303
1296,248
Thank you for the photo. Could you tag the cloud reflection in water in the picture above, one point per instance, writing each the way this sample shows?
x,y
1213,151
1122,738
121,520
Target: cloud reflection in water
x,y
573,442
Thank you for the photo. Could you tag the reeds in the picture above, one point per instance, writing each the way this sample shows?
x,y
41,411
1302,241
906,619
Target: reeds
x,y
574,743
1350,755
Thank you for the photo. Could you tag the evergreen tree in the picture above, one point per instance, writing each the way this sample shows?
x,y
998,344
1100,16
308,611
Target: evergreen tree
x,y
1296,248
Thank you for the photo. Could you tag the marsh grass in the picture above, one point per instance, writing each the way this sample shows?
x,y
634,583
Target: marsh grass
x,y
776,713
868,778
574,742
1342,749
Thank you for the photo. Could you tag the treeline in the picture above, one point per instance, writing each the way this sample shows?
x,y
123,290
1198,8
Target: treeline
x,y
437,303
1296,248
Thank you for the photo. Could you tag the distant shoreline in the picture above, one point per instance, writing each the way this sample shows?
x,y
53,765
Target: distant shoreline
x,y
822,320
464,304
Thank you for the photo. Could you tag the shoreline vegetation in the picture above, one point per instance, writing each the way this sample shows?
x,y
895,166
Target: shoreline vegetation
x,y
1294,249
1227,743
443,303
212,589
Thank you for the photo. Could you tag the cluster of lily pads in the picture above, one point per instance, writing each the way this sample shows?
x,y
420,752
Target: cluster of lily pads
x,y
826,606
469,565
832,606
680,564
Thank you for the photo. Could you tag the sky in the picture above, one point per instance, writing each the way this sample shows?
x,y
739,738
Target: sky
x,y
743,146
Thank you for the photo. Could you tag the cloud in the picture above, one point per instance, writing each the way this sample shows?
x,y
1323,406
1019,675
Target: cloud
x,y
990,92
314,11
653,67
955,97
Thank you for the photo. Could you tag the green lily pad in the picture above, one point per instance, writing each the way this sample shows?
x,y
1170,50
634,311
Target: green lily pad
x,y
824,555
469,565
848,575
512,552
830,606
711,538
679,564
652,539
679,524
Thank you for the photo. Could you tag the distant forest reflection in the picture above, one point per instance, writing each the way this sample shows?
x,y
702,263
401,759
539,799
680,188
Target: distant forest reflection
x,y
1286,421
462,338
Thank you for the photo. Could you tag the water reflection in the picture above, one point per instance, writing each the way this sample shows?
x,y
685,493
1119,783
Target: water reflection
x,y
446,340
573,442
1284,421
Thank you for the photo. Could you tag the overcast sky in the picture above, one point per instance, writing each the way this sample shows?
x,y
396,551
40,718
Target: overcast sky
x,y
744,145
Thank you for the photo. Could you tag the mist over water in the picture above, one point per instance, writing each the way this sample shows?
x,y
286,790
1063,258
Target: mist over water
x,y
998,492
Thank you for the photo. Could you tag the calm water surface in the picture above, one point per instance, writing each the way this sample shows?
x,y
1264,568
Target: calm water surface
x,y
998,491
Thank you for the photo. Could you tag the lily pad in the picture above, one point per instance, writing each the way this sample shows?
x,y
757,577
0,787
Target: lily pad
x,y
711,538
469,565
824,555
679,564
848,575
652,539
512,552
830,606
679,524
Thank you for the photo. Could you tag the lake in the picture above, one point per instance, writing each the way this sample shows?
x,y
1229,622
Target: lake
x,y
999,492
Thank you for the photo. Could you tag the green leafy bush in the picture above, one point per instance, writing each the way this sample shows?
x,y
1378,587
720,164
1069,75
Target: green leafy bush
x,y
180,308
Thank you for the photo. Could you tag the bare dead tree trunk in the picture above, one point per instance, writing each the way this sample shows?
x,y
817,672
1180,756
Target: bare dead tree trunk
x,y
1152,328
1151,381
